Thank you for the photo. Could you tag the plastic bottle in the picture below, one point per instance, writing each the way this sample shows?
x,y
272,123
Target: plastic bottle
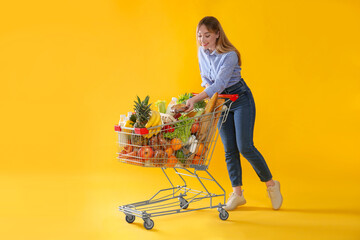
x,y
172,103
122,120
129,115
123,137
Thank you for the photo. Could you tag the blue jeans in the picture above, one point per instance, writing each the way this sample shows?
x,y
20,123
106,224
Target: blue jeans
x,y
237,136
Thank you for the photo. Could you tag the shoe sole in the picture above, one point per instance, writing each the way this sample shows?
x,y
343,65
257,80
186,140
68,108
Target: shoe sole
x,y
229,209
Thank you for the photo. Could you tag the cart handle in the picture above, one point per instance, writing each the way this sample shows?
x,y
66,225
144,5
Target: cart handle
x,y
140,131
232,97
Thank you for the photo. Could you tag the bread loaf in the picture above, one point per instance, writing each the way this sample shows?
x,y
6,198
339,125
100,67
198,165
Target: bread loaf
x,y
205,121
218,107
211,104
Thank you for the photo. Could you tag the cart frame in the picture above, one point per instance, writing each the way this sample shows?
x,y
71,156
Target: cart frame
x,y
177,199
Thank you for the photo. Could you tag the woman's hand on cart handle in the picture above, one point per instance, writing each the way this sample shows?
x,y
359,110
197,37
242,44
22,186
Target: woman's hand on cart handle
x,y
190,102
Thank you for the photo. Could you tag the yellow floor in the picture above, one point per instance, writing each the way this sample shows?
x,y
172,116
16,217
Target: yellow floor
x,y
86,207
70,68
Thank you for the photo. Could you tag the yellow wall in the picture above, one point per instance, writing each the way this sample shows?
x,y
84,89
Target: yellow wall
x,y
68,69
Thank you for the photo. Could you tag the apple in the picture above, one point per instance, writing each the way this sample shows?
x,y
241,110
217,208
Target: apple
x,y
146,152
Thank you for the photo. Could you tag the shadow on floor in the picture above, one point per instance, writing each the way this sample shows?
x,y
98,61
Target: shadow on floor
x,y
314,210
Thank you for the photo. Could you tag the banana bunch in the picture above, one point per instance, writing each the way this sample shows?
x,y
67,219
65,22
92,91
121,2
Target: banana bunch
x,y
154,120
129,124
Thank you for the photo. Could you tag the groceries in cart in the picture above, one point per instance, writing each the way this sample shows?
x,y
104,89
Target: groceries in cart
x,y
160,135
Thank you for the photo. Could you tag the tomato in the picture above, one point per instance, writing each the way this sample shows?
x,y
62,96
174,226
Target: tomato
x,y
195,127
168,128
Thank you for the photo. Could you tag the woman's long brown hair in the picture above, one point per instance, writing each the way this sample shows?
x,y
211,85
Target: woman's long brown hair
x,y
223,45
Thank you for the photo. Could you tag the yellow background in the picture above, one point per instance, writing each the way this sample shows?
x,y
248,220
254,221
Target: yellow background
x,y
68,69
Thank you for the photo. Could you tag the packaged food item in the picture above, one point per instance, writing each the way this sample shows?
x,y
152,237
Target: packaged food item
x,y
178,108
172,103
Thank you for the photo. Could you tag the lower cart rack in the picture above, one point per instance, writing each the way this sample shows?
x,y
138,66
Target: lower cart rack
x,y
175,200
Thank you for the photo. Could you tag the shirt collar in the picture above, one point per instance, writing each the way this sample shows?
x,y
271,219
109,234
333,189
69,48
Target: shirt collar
x,y
207,52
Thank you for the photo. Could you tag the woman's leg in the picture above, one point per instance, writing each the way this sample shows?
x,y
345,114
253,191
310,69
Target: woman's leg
x,y
244,120
232,156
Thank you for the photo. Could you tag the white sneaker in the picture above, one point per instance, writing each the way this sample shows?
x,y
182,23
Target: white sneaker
x,y
234,201
275,195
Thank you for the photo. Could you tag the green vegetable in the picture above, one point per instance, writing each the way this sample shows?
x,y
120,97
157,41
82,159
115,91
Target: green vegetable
x,y
182,129
161,105
201,111
133,117
184,97
180,156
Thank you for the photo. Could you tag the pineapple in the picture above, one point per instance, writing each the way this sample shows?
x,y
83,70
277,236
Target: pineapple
x,y
142,112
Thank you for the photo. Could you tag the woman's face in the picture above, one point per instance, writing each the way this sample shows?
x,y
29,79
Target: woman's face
x,y
206,38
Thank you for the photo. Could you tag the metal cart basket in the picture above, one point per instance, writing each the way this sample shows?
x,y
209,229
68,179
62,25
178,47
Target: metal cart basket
x,y
184,146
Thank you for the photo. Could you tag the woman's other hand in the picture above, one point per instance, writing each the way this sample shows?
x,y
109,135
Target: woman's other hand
x,y
190,104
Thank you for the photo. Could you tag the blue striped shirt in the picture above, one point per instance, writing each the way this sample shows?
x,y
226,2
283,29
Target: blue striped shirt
x,y
219,70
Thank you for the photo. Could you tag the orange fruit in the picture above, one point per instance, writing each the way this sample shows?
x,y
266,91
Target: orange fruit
x,y
200,149
175,144
197,161
169,151
172,161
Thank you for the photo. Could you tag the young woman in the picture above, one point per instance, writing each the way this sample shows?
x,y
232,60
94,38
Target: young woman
x,y
220,63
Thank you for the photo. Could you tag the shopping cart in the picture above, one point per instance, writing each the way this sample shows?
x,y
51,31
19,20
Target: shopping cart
x,y
183,146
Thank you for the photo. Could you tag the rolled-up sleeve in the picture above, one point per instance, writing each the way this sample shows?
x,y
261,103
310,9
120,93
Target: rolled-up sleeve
x,y
224,74
205,81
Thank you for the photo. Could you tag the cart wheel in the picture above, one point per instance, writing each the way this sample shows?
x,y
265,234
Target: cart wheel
x,y
184,204
130,218
223,214
148,224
